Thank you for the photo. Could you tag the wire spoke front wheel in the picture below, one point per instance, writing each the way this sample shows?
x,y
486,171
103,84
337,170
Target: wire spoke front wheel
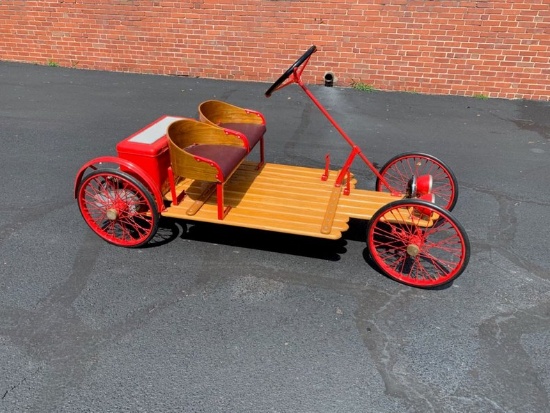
x,y
418,243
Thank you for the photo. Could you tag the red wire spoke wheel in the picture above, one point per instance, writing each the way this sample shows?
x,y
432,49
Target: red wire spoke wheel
x,y
398,171
118,208
418,243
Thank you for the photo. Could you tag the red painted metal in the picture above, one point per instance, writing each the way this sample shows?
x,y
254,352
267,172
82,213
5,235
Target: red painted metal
x,y
417,256
324,177
144,155
296,77
118,207
424,184
219,173
262,146
148,148
239,135
355,150
255,112
126,166
398,170
347,190
219,194
172,181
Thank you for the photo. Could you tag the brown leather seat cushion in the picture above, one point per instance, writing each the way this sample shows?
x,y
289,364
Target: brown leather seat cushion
x,y
252,131
227,157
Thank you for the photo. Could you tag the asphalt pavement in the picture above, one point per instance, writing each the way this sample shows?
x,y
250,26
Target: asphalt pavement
x,y
219,319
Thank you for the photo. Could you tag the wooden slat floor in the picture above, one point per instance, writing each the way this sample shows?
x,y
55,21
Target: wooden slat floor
x,y
282,198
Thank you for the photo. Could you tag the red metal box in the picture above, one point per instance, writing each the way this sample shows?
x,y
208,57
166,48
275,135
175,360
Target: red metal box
x,y
148,148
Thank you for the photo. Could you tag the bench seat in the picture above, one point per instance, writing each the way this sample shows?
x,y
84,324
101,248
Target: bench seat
x,y
254,132
204,152
226,158
247,122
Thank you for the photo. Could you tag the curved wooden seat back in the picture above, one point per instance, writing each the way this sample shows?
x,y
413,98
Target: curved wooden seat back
x,y
217,113
186,133
203,152
250,123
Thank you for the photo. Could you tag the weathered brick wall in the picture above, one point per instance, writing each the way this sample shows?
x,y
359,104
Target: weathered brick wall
x,y
495,48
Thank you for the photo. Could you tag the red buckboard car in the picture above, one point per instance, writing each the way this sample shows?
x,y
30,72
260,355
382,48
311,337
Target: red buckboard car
x,y
197,170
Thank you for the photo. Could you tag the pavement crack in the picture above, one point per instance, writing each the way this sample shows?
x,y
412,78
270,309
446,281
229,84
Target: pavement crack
x,y
502,196
523,263
505,343
502,234
383,345
19,383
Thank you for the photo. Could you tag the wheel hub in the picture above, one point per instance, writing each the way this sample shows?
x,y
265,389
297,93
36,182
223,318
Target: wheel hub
x,y
414,245
413,250
115,210
112,214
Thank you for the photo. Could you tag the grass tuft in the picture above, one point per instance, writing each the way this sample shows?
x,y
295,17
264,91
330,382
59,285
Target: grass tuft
x,y
363,87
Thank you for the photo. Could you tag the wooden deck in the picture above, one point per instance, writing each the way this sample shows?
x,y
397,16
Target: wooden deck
x,y
281,198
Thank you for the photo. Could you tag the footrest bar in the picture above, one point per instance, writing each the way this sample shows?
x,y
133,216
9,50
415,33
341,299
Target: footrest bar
x,y
330,212
197,205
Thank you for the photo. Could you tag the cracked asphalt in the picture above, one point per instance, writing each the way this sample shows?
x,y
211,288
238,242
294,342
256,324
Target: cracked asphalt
x,y
216,319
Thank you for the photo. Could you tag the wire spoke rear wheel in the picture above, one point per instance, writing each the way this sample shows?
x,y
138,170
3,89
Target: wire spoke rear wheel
x,y
418,243
398,171
118,208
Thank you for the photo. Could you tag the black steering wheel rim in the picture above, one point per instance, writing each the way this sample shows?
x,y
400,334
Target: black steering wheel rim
x,y
290,70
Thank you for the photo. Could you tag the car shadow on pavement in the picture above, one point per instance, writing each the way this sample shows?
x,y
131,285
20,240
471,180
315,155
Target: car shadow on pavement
x,y
172,229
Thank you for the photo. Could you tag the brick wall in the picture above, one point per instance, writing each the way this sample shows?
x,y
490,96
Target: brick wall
x,y
495,48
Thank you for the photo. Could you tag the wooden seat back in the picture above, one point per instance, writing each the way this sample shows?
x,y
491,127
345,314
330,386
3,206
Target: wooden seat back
x,y
217,112
186,133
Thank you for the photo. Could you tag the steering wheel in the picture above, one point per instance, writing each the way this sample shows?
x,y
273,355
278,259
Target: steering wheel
x,y
290,70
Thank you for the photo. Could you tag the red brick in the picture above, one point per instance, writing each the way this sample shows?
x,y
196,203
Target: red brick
x,y
443,47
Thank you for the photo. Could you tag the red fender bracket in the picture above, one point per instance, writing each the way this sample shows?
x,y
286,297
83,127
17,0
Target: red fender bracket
x,y
135,170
